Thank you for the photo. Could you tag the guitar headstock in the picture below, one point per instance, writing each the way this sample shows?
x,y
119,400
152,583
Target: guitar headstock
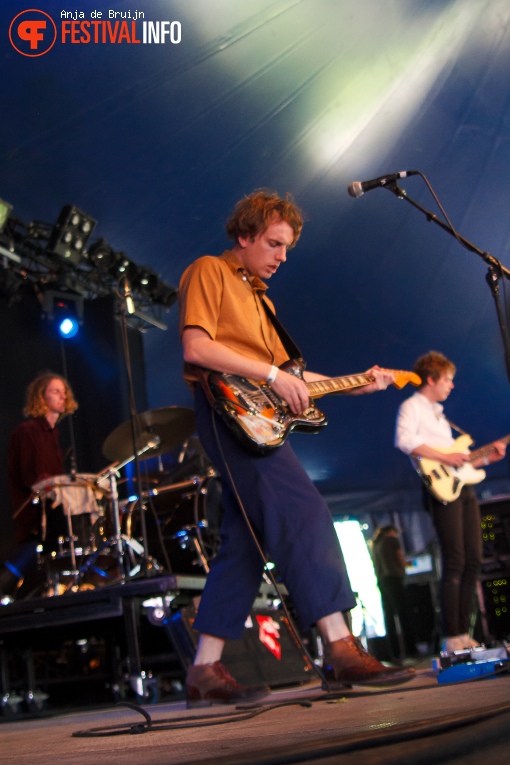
x,y
402,378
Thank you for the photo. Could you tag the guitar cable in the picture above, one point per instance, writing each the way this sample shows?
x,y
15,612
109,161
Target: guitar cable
x,y
267,572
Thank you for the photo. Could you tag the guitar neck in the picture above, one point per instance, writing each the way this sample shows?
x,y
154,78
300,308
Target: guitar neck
x,y
484,451
320,388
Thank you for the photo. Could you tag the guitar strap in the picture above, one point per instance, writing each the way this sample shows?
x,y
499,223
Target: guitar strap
x,y
287,342
456,427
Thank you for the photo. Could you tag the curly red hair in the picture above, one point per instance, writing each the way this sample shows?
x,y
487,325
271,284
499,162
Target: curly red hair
x,y
36,405
253,215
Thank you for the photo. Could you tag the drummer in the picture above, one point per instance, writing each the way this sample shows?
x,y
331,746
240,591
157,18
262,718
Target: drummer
x,y
34,453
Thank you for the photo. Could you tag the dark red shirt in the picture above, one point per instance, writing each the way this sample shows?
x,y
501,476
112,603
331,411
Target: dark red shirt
x,y
34,453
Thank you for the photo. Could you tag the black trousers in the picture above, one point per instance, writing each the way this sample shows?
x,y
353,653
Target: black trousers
x,y
395,604
458,527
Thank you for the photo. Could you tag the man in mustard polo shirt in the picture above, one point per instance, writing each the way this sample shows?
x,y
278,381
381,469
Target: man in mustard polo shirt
x,y
224,327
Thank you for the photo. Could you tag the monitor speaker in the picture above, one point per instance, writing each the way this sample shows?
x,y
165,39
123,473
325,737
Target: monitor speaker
x,y
268,653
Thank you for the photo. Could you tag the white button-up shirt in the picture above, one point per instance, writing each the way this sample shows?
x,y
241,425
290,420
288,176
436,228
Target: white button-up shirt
x,y
420,421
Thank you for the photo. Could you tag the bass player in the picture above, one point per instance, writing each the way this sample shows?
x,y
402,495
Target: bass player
x,y
423,432
224,327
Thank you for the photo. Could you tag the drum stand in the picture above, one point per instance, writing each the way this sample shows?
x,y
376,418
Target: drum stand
x,y
119,541
114,499
72,549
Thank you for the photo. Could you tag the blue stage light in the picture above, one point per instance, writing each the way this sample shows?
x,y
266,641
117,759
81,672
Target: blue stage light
x,y
68,326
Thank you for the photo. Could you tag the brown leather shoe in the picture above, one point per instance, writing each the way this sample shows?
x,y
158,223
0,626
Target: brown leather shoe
x,y
347,663
208,684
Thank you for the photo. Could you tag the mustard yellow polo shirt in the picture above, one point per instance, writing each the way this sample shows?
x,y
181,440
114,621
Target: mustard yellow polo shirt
x,y
215,294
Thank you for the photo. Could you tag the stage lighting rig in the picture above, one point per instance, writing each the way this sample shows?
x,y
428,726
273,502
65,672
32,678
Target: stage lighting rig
x,y
60,257
70,235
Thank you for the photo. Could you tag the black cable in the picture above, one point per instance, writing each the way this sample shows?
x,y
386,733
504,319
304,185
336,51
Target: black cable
x,y
356,741
219,718
268,572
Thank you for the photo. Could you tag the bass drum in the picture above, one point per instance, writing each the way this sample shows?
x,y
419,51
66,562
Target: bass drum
x,y
183,522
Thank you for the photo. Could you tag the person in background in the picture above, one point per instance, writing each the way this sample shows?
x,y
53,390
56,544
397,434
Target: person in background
x,y
422,431
34,453
389,565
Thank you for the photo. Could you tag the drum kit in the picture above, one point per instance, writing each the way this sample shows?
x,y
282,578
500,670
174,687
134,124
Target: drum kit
x,y
90,537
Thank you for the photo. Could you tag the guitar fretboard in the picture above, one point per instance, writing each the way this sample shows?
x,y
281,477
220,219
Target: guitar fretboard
x,y
336,384
484,451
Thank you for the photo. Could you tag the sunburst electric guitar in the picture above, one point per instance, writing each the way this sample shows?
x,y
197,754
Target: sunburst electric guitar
x,y
262,420
444,481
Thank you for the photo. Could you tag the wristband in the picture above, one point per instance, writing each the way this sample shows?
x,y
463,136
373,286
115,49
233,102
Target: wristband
x,y
272,375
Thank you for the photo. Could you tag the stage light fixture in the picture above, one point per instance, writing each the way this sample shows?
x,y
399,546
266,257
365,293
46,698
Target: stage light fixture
x,y
66,308
70,234
164,295
125,267
146,281
68,326
5,211
102,256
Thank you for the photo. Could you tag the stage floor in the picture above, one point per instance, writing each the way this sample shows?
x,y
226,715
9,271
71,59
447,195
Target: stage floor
x,y
419,722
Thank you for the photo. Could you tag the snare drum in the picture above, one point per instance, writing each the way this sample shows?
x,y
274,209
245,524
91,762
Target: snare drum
x,y
70,510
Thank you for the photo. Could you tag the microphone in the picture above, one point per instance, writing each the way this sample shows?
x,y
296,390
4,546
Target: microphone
x,y
358,188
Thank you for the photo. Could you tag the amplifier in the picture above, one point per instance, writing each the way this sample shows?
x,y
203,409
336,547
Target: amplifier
x,y
496,535
495,591
267,654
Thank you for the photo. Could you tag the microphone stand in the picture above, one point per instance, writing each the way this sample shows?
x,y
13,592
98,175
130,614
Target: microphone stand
x,y
128,308
73,472
496,271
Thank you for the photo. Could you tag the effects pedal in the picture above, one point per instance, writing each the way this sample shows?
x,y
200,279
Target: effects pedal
x,y
472,664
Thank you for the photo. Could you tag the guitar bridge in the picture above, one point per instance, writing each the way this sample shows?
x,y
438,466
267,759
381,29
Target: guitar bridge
x,y
312,413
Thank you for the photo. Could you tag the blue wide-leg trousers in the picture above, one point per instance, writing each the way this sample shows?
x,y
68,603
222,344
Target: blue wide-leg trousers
x,y
293,525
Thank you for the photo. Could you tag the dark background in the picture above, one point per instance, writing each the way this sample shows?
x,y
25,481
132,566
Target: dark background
x,y
157,142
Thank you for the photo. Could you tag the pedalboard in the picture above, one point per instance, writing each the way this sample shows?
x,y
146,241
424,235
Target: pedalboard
x,y
472,664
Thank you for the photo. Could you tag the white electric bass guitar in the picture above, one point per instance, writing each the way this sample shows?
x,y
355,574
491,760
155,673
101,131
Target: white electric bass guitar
x,y
444,481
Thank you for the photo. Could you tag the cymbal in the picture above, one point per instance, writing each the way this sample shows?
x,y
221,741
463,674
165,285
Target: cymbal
x,y
172,425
